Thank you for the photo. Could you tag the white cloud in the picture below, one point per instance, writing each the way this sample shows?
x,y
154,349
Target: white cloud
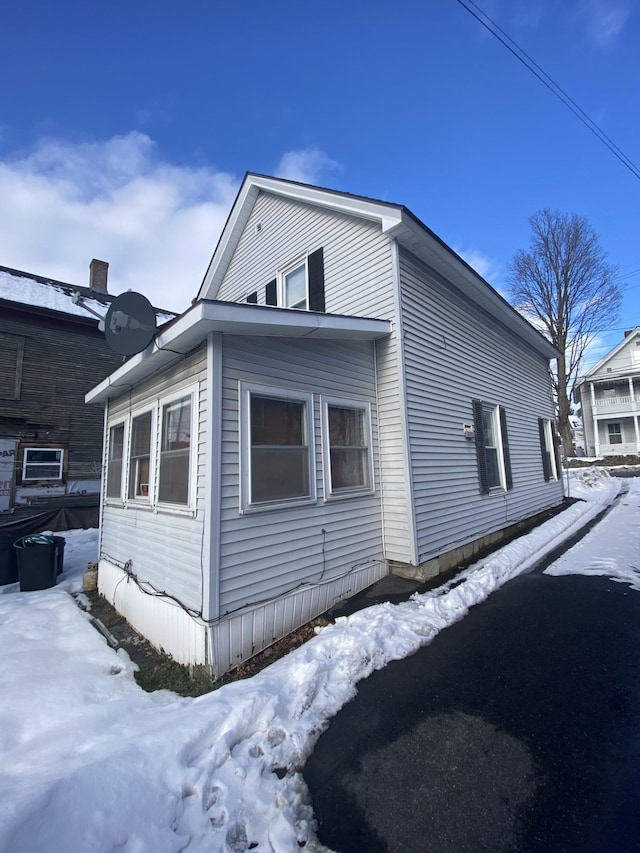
x,y
157,224
485,266
604,20
306,165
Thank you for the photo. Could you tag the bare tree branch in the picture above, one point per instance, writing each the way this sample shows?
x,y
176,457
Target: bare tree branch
x,y
565,285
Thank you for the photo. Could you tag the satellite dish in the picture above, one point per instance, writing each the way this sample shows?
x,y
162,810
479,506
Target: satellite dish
x,y
130,323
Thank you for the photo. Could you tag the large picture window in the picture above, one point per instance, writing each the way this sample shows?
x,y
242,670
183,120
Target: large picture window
x,y
492,447
277,453
140,456
114,461
42,463
175,452
347,447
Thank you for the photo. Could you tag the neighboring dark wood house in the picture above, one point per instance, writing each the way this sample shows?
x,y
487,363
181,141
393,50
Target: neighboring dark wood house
x,y
51,354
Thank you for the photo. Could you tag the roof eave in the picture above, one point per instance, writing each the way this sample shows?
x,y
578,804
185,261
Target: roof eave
x,y
190,330
387,215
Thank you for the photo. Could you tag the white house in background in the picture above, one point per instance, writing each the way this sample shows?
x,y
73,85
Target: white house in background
x,y
346,397
610,398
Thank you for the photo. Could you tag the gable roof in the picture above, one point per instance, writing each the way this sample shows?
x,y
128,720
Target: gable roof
x,y
600,367
38,294
394,220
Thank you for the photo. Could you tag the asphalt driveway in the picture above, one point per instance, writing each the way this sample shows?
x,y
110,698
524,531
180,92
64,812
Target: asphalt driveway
x,y
516,729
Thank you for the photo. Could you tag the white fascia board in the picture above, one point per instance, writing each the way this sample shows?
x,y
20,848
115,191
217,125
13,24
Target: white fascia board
x,y
388,215
593,372
232,318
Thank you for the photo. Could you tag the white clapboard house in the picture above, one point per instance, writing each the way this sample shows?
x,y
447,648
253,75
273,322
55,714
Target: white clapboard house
x,y
346,397
609,394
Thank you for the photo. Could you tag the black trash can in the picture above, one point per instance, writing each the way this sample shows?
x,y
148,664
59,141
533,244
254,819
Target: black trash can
x,y
59,542
8,563
37,564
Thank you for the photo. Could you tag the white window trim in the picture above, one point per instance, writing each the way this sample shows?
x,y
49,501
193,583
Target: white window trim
x,y
550,447
356,491
301,260
245,390
497,429
139,500
25,463
152,503
167,506
112,500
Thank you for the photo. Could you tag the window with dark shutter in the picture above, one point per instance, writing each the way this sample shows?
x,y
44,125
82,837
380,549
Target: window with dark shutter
x,y
252,298
544,450
492,447
315,266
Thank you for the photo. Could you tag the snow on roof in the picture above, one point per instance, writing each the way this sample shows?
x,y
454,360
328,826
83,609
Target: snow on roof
x,y
34,290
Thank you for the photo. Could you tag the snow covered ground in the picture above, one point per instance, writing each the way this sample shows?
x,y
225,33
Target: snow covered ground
x,y
89,762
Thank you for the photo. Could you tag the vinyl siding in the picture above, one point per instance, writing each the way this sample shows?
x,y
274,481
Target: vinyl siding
x,y
359,280
623,360
357,260
453,354
164,548
268,553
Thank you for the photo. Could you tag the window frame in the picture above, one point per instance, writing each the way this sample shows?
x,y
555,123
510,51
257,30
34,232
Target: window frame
x,y
120,497
25,463
300,261
503,454
245,391
190,391
548,448
611,434
147,500
364,407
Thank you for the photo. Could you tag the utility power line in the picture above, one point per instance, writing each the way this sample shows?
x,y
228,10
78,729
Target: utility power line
x,y
545,79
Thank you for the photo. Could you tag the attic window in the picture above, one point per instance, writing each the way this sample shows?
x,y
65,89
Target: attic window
x,y
294,287
299,285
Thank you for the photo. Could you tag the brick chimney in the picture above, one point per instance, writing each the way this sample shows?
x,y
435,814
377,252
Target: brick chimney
x,y
628,332
98,272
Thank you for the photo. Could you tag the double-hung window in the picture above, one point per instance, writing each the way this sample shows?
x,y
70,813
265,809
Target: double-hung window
x,y
115,460
548,449
346,447
294,286
277,447
492,447
615,433
174,475
151,456
42,463
140,456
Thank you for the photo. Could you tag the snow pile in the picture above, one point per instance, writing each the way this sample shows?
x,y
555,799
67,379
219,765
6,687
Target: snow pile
x,y
616,556
90,762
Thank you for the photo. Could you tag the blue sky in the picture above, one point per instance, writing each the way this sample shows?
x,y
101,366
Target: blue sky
x,y
126,127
